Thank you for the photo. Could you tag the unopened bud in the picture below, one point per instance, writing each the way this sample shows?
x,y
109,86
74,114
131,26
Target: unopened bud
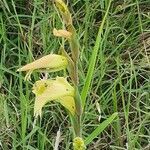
x,y
78,144
63,9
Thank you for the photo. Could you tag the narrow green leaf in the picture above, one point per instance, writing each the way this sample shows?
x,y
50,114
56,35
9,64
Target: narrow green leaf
x,y
100,128
6,5
92,63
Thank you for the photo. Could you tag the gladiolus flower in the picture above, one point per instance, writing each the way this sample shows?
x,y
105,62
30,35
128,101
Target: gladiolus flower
x,y
48,63
58,90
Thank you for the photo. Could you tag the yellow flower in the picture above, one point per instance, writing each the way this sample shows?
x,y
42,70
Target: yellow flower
x,y
49,63
58,90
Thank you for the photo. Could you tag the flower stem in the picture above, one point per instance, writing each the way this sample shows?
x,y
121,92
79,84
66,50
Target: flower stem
x,y
74,45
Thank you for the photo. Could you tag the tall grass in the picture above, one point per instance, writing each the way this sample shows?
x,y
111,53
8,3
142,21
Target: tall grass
x,y
118,67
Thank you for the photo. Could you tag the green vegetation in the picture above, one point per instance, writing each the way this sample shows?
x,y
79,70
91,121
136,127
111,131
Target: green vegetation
x,y
114,74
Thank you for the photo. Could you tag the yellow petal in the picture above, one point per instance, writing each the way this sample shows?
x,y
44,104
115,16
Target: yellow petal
x,y
51,62
68,102
62,33
48,90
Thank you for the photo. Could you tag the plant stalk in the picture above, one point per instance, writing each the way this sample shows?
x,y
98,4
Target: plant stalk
x,y
74,45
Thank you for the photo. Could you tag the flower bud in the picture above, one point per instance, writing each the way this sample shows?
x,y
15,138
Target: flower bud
x,y
78,144
63,9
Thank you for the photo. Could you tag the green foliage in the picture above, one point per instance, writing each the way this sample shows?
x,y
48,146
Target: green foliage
x,y
120,80
100,128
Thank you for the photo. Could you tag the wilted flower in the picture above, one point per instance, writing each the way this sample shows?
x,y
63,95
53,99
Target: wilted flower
x,y
62,33
58,90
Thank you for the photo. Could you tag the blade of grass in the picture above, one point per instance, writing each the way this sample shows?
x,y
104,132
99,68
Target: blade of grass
x,y
126,112
100,128
6,5
117,124
34,130
17,18
92,63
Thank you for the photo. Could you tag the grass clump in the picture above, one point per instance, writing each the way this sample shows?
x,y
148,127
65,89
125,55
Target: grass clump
x,y
115,68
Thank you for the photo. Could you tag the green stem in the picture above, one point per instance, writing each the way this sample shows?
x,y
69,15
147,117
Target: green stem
x,y
74,45
78,112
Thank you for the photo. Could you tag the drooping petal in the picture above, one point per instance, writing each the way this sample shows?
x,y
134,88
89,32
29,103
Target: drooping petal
x,y
48,90
62,33
51,63
68,102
